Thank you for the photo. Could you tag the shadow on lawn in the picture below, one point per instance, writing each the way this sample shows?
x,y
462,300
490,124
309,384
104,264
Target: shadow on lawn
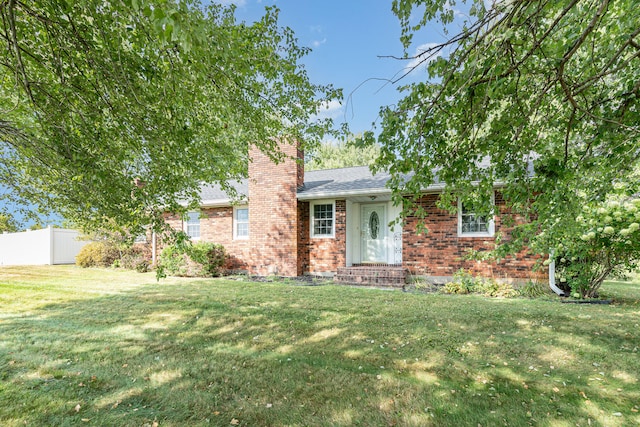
x,y
220,353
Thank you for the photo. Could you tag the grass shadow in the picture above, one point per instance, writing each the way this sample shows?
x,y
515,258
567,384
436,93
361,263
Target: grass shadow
x,y
217,352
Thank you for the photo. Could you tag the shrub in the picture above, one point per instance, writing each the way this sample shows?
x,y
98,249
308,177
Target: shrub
x,y
210,255
136,257
173,261
201,259
97,254
605,241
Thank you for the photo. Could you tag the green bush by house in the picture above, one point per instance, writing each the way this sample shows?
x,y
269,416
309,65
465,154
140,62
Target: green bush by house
x,y
201,259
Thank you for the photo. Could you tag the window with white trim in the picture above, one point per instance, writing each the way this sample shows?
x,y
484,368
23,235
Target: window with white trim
x,y
141,238
471,224
192,224
241,223
323,219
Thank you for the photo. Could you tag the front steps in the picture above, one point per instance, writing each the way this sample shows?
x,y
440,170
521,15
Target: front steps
x,y
372,275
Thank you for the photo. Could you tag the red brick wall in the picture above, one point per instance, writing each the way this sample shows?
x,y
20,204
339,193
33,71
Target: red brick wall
x,y
440,252
273,209
216,226
322,255
304,241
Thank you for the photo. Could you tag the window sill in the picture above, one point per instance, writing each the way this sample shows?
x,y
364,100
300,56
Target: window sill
x,y
475,235
324,236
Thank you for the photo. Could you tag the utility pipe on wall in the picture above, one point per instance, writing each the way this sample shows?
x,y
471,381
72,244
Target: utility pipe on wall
x,y
552,274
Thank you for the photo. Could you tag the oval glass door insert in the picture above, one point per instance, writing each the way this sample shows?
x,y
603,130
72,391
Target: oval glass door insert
x,y
374,224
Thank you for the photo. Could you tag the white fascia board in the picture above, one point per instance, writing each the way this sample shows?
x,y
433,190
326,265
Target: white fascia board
x,y
356,193
221,203
341,194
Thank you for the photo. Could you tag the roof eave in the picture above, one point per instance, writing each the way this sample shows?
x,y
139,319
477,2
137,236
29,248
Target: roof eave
x,y
358,193
220,203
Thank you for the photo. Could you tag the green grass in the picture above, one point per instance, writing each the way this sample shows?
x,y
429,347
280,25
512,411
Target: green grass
x,y
103,347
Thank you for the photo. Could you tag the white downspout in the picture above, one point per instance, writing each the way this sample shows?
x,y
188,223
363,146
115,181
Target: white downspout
x,y
153,248
552,275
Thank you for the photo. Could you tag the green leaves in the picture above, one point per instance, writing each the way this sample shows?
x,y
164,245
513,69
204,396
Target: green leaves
x,y
96,94
603,239
331,155
543,97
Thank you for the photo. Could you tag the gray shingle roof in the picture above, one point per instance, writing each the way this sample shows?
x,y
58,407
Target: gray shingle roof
x,y
329,183
317,184
342,182
215,195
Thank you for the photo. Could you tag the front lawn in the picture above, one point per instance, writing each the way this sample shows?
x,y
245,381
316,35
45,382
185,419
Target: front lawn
x,y
103,347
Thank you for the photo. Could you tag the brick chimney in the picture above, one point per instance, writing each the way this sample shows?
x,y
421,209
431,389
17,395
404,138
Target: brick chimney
x,y
273,209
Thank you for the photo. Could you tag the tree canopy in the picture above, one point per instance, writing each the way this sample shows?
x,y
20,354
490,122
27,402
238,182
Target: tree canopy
x,y
341,154
111,111
540,96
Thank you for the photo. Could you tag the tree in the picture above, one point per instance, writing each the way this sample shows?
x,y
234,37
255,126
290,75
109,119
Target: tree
x,y
542,96
8,224
332,155
116,110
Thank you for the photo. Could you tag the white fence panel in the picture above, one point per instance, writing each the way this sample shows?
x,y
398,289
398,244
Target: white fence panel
x,y
25,248
66,246
40,247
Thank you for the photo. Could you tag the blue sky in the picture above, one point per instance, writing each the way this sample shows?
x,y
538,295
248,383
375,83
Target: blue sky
x,y
349,39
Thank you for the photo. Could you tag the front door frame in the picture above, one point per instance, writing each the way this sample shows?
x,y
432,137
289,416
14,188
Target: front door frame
x,y
379,244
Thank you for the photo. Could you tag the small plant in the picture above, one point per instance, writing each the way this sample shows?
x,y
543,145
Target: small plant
x,y
421,284
533,289
493,288
463,283
454,288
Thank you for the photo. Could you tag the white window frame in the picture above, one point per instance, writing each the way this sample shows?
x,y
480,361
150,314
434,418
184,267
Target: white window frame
x,y
185,225
141,238
312,219
491,225
236,222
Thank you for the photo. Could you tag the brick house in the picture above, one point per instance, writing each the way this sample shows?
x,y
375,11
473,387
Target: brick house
x,y
335,223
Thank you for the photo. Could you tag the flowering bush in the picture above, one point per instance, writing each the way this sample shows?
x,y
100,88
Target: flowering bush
x,y
604,242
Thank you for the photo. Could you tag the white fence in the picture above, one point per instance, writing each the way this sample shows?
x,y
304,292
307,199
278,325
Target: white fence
x,y
47,246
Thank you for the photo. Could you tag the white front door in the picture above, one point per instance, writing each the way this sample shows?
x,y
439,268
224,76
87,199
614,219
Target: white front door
x,y
374,233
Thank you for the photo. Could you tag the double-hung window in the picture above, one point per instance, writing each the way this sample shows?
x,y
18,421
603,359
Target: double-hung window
x,y
322,219
471,224
241,223
192,225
